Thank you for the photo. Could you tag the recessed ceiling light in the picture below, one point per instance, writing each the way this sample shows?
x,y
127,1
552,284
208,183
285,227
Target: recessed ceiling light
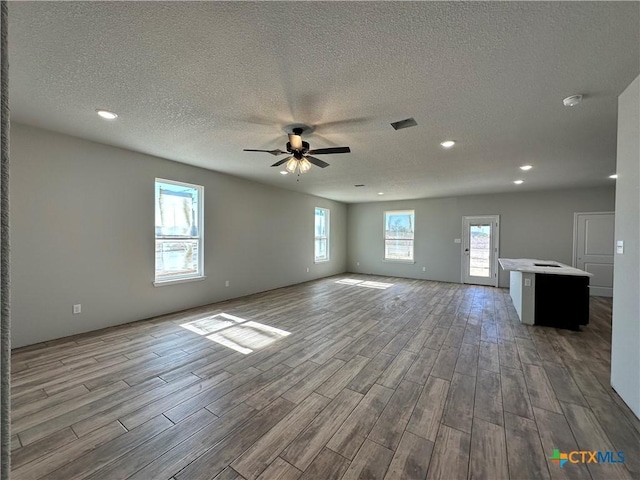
x,y
518,182
448,144
572,101
526,167
107,114
284,172
614,176
380,193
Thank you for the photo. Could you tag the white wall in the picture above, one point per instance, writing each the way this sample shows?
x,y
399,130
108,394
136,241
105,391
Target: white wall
x,y
532,225
82,227
625,347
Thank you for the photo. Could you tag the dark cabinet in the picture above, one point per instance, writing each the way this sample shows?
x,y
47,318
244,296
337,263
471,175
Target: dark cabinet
x,y
562,301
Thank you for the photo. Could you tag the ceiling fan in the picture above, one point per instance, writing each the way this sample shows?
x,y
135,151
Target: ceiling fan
x,y
300,156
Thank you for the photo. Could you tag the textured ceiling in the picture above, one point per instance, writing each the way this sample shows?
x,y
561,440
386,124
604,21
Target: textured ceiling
x,y
198,82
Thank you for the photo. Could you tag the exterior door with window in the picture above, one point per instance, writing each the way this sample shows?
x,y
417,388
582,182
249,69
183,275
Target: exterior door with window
x,y
480,245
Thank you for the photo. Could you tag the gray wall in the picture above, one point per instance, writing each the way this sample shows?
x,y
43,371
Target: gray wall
x,y
532,225
82,221
625,348
82,232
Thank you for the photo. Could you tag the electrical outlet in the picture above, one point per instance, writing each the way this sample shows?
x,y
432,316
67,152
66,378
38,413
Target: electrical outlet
x,y
226,283
424,269
357,264
77,308
307,269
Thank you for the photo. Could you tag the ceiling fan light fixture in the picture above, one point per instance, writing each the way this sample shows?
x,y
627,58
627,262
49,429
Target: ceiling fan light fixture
x,y
304,165
300,156
447,144
284,172
291,165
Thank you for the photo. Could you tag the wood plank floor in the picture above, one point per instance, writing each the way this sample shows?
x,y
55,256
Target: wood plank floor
x,y
346,377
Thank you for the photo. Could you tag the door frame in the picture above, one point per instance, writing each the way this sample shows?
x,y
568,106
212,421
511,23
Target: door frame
x,y
496,246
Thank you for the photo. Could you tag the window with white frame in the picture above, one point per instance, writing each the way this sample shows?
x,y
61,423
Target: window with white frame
x,y
179,225
321,243
399,226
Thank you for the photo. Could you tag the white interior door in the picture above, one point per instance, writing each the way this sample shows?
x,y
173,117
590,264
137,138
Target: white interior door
x,y
480,244
593,250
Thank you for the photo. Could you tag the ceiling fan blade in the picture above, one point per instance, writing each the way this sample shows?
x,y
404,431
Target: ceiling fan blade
x,y
280,162
272,152
295,141
317,162
322,151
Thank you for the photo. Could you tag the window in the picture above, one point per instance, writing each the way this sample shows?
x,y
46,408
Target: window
x,y
398,235
321,244
179,252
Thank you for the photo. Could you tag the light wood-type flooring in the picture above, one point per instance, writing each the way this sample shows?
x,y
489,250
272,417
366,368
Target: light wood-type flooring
x,y
346,377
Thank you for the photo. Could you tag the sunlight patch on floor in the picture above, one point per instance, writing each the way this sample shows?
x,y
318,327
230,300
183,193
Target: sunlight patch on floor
x,y
367,284
236,333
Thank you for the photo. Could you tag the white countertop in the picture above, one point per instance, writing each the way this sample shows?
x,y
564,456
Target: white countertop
x,y
531,265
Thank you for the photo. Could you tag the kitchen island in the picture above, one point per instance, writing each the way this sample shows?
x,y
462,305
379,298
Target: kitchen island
x,y
549,293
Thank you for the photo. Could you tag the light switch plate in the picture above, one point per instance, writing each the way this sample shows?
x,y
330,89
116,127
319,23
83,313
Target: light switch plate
x,y
527,282
620,247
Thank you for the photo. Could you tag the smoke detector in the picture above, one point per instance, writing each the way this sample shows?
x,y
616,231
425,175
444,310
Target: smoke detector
x,y
572,101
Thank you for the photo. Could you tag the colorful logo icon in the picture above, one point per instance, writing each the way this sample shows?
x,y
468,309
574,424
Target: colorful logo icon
x,y
559,458
585,456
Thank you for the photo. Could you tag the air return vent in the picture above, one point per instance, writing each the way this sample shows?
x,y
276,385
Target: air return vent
x,y
409,122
